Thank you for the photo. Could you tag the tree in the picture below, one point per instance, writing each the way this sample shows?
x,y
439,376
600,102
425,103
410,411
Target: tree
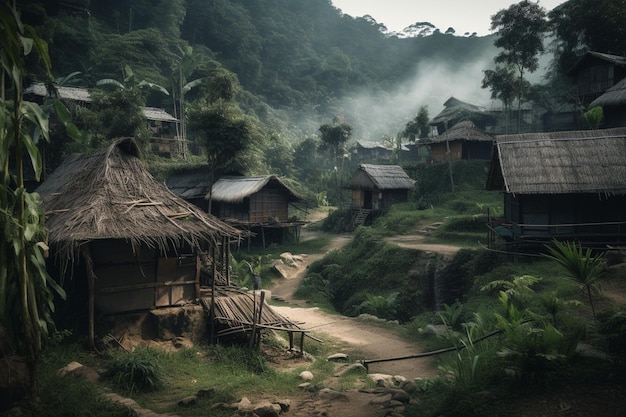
x,y
26,289
582,25
225,132
502,82
520,30
334,136
417,128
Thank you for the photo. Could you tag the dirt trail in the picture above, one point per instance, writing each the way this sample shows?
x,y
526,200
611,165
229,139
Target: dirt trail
x,y
370,340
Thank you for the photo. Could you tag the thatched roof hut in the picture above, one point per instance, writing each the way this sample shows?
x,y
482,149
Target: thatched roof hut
x,y
563,184
259,204
142,242
560,162
111,195
456,110
464,140
613,103
376,188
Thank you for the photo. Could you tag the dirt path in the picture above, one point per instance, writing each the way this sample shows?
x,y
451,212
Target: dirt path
x,y
369,340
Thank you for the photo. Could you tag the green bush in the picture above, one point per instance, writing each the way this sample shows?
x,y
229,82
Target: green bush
x,y
139,370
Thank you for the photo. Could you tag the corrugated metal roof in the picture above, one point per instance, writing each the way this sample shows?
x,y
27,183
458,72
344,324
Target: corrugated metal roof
x,y
236,189
591,161
381,177
65,93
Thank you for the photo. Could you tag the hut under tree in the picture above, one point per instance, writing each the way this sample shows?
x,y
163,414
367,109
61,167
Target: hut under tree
x,y
456,110
375,188
613,103
137,244
258,204
561,185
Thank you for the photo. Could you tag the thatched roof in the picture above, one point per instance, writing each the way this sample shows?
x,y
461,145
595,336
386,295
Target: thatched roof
x,y
370,144
380,177
236,189
592,161
463,130
455,109
65,93
614,96
158,115
190,183
111,195
617,60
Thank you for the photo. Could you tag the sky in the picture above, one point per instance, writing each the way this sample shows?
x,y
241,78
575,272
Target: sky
x,y
465,16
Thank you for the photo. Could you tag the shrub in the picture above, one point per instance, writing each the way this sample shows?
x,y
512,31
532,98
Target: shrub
x,y
136,371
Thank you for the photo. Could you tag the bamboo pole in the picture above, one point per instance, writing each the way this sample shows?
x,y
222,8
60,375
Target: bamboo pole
x,y
91,279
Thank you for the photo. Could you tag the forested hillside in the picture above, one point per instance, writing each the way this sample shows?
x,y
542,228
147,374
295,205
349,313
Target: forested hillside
x,y
303,58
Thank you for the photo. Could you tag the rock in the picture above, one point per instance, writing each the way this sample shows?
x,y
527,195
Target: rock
x,y
78,370
409,386
306,376
382,380
337,357
188,401
182,343
399,395
437,329
307,386
266,409
381,399
205,392
244,406
355,367
284,405
332,395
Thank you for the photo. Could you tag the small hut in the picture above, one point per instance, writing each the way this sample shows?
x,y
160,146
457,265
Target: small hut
x,y
462,141
456,110
192,184
138,244
257,204
375,188
563,185
594,73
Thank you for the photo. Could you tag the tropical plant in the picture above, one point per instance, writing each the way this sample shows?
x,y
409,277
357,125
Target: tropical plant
x,y
579,265
139,370
26,289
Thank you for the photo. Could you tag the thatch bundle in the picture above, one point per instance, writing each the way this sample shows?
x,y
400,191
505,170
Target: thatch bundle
x,y
463,130
592,161
111,195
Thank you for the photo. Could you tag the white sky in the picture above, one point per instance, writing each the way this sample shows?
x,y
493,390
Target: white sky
x,y
462,15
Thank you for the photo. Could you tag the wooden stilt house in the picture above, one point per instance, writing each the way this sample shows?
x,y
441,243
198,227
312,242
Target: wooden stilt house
x,y
463,141
375,188
257,204
135,244
561,185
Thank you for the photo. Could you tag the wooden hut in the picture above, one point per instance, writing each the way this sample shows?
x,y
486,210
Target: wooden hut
x,y
375,188
191,184
594,73
462,141
139,243
257,204
563,185
613,103
456,110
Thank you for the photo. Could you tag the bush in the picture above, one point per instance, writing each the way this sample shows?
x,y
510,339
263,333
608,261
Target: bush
x,y
136,371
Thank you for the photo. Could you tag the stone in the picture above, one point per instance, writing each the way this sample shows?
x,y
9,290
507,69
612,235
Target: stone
x,y
285,405
78,370
409,386
381,399
400,395
205,392
355,367
266,409
244,406
437,329
188,401
382,380
337,357
306,376
332,395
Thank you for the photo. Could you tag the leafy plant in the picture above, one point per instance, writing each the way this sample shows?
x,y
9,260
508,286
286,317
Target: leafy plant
x,y
580,266
136,371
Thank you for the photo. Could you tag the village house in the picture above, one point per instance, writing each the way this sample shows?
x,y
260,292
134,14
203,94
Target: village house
x,y
561,185
375,188
259,204
463,141
456,110
121,240
613,103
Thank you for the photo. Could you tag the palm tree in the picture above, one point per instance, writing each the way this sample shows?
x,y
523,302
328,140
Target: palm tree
x,y
580,266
